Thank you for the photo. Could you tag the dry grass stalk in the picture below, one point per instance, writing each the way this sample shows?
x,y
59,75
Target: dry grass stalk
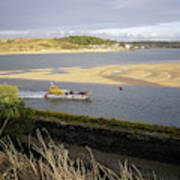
x,y
55,164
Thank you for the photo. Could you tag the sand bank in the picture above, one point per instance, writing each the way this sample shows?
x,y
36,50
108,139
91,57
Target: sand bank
x,y
164,74
65,51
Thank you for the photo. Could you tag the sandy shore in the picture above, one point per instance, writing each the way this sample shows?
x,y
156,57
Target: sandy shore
x,y
164,74
66,51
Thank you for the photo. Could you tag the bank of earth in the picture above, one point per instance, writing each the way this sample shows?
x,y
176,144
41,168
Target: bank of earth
x,y
146,141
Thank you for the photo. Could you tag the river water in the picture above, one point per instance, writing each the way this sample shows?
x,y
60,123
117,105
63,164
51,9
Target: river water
x,y
152,105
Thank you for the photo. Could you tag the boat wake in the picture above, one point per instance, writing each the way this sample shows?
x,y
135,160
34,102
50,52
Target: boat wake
x,y
32,94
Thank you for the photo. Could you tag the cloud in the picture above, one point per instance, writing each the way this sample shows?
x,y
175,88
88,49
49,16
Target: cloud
x,y
165,31
57,13
119,4
14,32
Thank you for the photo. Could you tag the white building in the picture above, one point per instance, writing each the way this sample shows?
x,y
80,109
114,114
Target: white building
x,y
128,46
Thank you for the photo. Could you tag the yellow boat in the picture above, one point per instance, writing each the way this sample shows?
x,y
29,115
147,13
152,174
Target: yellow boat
x,y
56,93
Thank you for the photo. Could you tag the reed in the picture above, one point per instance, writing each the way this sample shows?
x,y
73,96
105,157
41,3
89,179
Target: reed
x,y
55,164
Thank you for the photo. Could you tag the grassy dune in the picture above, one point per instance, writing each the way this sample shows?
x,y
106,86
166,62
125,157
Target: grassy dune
x,y
35,45
71,44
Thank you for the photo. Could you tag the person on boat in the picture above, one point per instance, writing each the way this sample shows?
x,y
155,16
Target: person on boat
x,y
82,93
71,92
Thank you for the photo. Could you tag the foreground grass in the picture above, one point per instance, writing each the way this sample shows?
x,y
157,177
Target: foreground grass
x,y
54,163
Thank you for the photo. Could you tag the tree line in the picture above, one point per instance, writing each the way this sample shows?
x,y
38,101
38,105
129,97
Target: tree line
x,y
87,40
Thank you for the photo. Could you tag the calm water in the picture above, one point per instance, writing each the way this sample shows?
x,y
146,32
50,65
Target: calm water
x,y
155,105
26,62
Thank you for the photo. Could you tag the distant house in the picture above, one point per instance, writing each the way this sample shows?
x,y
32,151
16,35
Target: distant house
x,y
128,46
97,46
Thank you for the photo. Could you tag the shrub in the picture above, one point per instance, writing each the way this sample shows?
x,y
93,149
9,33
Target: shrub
x,y
8,91
15,119
22,125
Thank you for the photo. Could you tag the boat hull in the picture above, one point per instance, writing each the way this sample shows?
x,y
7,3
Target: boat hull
x,y
68,96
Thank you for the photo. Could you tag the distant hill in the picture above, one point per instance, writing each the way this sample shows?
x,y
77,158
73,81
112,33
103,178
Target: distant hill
x,y
76,43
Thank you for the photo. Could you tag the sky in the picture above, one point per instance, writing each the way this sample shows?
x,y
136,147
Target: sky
x,y
122,20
